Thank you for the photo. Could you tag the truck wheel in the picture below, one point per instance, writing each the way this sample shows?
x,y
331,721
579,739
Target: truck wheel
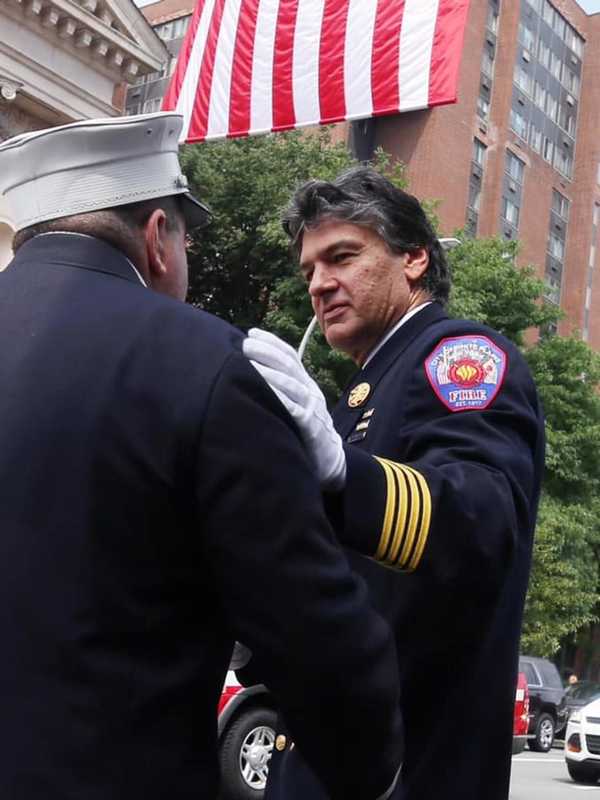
x,y
245,752
544,734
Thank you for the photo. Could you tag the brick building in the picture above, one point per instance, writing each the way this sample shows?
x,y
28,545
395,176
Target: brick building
x,y
519,154
170,20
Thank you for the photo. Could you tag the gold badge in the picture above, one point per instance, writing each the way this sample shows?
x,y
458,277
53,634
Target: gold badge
x,y
358,395
280,742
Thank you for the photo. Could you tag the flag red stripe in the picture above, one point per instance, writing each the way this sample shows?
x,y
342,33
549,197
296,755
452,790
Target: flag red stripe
x,y
199,120
332,100
241,71
284,116
447,50
385,62
172,94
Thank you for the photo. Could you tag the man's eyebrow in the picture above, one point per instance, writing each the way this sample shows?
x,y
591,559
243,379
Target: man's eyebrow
x,y
340,244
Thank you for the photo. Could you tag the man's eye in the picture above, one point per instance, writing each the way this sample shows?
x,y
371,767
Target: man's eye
x,y
340,257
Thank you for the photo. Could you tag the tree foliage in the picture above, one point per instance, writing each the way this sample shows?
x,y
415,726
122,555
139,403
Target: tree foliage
x,y
236,262
489,288
567,374
563,589
242,270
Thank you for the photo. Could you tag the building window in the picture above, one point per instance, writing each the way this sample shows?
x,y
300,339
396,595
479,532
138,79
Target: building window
x,y
574,41
487,61
535,138
514,167
559,25
571,81
510,212
556,66
518,123
551,106
543,53
479,152
556,247
552,292
522,79
548,149
560,205
483,107
180,26
474,195
539,95
174,29
150,106
526,37
563,162
492,19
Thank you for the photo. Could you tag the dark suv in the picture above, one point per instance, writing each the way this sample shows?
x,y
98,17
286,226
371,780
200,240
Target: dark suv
x,y
547,708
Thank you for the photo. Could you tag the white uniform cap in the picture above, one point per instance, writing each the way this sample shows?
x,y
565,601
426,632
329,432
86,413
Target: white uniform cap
x,y
95,164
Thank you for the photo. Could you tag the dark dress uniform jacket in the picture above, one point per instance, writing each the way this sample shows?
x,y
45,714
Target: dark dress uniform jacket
x,y
441,499
156,503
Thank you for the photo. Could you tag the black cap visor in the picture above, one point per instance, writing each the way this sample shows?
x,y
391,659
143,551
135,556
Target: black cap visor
x,y
196,214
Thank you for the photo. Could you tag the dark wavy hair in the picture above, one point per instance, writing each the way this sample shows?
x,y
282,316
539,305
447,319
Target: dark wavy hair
x,y
362,195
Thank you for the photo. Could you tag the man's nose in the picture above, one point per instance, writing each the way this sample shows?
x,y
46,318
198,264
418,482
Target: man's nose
x,y
321,281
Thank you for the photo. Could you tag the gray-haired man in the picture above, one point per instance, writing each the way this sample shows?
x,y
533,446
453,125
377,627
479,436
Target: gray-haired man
x,y
431,464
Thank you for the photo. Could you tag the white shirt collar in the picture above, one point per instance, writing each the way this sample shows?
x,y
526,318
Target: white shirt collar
x,y
87,236
393,330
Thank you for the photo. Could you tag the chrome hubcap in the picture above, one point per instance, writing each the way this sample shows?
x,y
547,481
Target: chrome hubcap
x,y
546,732
255,755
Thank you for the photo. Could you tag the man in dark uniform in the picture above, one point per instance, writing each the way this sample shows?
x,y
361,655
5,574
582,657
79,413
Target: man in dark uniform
x,y
146,520
432,475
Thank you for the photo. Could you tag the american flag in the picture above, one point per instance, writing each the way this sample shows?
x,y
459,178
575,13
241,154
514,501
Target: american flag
x,y
254,66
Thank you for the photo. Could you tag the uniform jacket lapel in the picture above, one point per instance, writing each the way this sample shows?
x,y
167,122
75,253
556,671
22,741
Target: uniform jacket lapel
x,y
346,417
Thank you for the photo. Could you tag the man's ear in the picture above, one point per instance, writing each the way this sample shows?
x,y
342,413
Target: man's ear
x,y
415,264
155,236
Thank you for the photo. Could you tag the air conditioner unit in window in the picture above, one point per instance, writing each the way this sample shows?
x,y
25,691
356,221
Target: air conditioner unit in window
x,y
508,233
526,55
570,100
483,127
512,186
574,59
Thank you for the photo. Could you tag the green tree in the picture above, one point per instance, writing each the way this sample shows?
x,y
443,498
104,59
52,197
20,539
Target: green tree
x,y
490,288
236,262
567,374
563,589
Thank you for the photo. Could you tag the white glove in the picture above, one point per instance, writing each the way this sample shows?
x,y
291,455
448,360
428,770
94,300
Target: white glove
x,y
280,366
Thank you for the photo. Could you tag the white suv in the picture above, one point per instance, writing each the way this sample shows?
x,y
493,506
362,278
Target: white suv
x,y
582,743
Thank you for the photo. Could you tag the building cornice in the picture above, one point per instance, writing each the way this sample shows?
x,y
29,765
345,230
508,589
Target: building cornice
x,y
115,35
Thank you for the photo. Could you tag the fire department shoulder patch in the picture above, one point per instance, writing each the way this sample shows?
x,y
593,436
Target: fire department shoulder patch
x,y
466,372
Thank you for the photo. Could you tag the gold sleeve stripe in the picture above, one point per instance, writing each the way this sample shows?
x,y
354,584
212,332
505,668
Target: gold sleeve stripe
x,y
389,511
425,521
403,495
407,516
415,512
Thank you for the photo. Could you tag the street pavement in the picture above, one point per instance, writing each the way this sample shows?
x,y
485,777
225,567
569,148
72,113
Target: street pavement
x,y
544,776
